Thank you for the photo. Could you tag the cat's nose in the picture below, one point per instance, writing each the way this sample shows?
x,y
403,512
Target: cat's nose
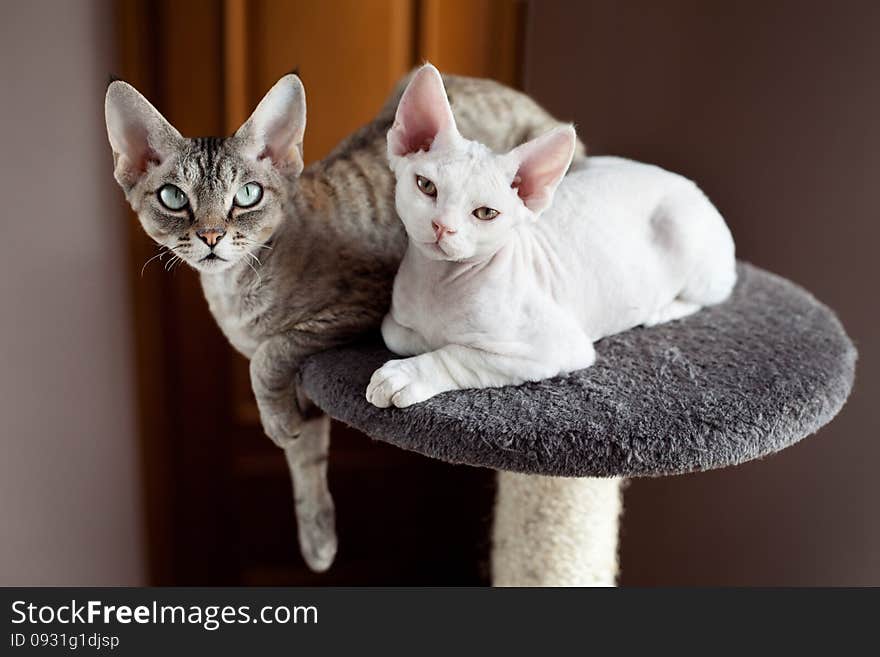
x,y
440,230
210,236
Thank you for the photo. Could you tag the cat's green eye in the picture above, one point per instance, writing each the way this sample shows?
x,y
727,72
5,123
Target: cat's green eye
x,y
485,214
426,186
172,197
249,195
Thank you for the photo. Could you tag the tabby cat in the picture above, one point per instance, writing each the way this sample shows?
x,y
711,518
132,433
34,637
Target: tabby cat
x,y
292,260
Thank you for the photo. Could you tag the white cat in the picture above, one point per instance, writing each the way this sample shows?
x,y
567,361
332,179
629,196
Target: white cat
x,y
513,271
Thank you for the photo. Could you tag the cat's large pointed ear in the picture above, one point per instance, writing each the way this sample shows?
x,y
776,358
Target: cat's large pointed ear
x,y
540,165
422,115
275,130
139,135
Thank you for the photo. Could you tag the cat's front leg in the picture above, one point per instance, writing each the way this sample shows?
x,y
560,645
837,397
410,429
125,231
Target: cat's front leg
x,y
273,371
295,425
401,339
409,381
315,512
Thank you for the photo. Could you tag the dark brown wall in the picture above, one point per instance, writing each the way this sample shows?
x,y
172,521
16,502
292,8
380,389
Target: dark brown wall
x,y
774,108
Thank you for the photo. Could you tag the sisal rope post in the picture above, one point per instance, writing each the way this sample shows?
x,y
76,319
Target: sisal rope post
x,y
555,531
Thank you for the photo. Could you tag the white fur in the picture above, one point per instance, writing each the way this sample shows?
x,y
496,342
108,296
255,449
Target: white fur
x,y
524,297
555,531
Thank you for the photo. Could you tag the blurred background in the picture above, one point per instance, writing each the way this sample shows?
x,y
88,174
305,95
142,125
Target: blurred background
x,y
108,476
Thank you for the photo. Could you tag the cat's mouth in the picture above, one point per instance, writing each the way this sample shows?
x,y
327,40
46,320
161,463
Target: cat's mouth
x,y
213,263
438,251
435,247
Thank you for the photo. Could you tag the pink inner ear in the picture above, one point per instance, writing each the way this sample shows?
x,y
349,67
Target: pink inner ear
x,y
423,114
532,184
418,141
139,153
270,153
151,157
543,162
415,129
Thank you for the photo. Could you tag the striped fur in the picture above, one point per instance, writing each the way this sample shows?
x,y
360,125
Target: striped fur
x,y
315,265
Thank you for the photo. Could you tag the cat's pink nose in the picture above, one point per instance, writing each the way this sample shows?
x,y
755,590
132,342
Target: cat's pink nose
x,y
210,236
440,230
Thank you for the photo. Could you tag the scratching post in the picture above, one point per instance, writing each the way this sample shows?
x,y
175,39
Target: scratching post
x,y
555,531
731,383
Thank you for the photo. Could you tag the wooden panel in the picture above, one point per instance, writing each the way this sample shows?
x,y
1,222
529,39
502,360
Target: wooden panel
x,y
170,51
401,519
148,294
472,37
349,54
192,96
235,63
220,505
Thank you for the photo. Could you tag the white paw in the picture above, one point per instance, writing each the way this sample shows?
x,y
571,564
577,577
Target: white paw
x,y
398,383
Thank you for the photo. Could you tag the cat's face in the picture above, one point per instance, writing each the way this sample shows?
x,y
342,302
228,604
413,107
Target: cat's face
x,y
209,201
457,199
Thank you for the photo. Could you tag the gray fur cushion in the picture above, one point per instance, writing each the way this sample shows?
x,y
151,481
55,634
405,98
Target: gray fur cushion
x,y
728,384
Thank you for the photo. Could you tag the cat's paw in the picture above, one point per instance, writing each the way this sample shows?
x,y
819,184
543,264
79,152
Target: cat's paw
x,y
317,537
398,383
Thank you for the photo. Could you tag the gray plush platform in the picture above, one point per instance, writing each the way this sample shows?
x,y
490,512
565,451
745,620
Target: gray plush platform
x,y
726,385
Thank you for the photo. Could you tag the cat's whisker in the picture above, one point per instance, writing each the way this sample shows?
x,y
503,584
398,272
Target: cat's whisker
x,y
165,250
255,243
259,278
170,264
149,260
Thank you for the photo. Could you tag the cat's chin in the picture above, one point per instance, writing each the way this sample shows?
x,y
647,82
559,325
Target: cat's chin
x,y
434,251
212,265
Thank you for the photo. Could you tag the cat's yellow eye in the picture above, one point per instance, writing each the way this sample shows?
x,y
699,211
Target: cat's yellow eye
x,y
485,214
172,197
426,186
249,195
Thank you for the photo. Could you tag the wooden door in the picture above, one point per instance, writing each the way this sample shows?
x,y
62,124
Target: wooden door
x,y
220,509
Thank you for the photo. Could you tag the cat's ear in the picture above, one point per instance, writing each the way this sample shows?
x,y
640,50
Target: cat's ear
x,y
275,130
540,165
139,135
422,114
